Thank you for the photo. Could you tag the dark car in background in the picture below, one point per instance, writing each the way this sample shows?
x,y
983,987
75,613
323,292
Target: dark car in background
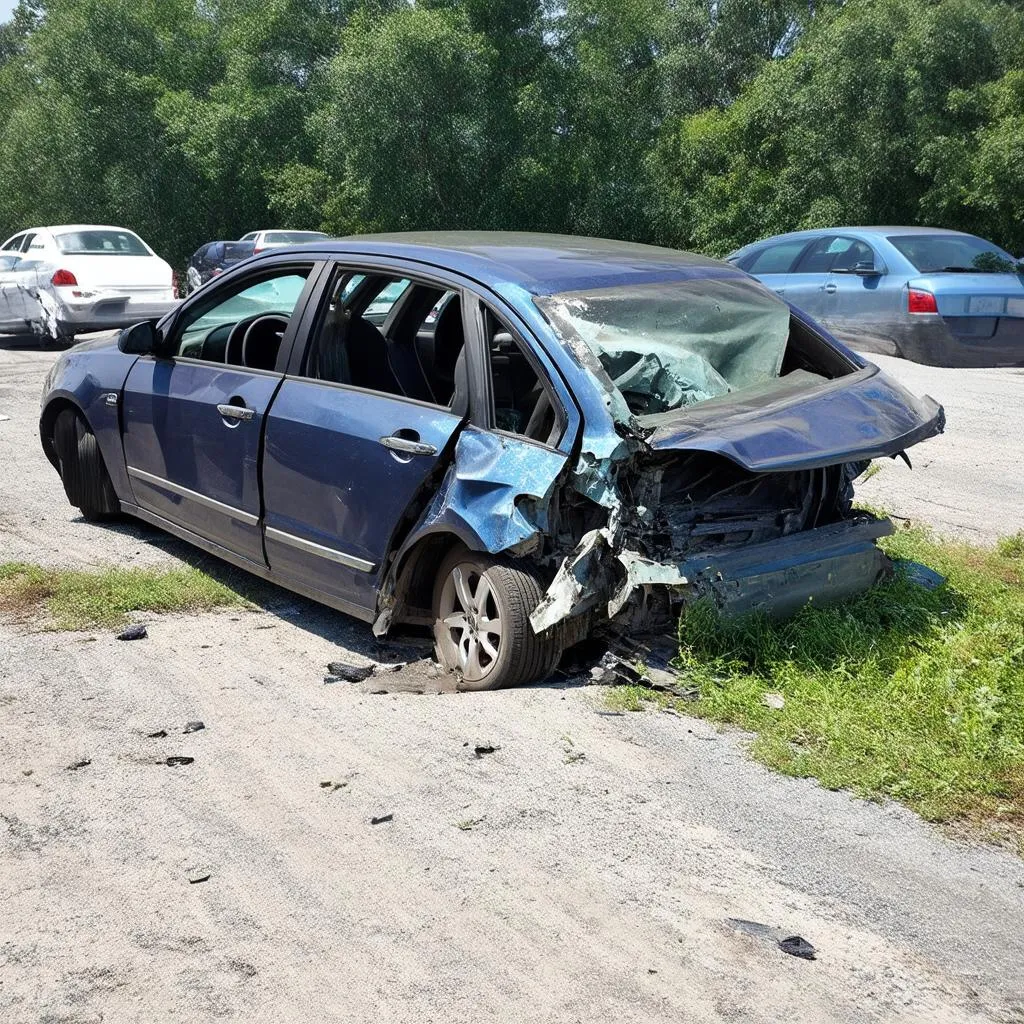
x,y
511,439
931,295
212,259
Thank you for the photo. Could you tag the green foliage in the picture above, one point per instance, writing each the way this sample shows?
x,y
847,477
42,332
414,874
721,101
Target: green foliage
x,y
904,692
697,124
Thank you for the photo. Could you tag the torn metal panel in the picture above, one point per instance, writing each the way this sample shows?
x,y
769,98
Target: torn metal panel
x,y
641,572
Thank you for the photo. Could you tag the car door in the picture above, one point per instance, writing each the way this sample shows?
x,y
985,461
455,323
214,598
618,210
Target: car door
x,y
355,436
852,294
193,416
772,264
806,286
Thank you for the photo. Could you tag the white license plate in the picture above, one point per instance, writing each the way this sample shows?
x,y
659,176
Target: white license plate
x,y
992,304
1015,307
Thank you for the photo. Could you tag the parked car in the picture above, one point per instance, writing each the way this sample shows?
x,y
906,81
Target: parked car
x,y
927,294
83,277
278,239
510,439
212,259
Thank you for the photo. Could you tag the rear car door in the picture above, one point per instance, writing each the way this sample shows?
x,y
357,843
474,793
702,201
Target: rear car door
x,y
193,417
360,431
849,294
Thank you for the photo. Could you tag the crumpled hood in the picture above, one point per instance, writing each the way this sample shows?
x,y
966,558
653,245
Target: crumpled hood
x,y
803,423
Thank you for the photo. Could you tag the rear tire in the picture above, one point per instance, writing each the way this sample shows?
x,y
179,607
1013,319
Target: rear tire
x,y
82,471
482,628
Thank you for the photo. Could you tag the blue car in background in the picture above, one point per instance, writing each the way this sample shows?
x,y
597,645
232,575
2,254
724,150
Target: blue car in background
x,y
512,440
930,295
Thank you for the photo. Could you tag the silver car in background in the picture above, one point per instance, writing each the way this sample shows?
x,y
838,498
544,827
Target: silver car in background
x,y
927,294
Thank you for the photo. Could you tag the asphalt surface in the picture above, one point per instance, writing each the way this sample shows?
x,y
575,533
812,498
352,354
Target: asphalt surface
x,y
529,884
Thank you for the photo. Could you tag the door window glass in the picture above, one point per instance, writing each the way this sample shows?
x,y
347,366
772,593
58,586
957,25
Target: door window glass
x,y
14,244
776,259
245,326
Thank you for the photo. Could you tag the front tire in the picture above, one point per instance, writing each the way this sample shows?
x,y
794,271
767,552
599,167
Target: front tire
x,y
82,471
482,628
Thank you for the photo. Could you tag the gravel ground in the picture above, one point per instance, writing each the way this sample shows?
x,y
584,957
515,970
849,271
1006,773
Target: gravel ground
x,y
578,888
967,483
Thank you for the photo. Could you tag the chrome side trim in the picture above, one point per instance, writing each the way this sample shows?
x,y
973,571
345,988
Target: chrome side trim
x,y
332,554
201,499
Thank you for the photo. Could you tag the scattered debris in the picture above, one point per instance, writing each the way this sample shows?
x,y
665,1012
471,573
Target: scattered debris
x,y
917,573
158,735
485,748
332,786
574,756
341,671
794,945
381,819
197,875
177,759
136,632
84,763
26,772
773,700
469,824
193,726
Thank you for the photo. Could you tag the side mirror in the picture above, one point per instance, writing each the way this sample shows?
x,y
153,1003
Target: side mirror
x,y
139,339
866,270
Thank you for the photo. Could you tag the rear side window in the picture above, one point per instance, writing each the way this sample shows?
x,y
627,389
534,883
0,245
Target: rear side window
x,y
101,243
775,259
293,237
931,253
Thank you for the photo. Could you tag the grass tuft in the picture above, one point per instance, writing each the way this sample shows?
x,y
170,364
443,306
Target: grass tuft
x,y
902,692
83,599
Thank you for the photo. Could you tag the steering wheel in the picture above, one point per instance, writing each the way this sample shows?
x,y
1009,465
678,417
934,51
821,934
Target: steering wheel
x,y
234,350
262,341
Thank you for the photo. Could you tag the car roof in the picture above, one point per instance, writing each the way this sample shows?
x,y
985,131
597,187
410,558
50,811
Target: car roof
x,y
539,263
83,227
875,229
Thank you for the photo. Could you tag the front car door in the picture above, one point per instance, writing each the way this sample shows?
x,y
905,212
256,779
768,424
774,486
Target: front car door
x,y
772,264
359,430
193,416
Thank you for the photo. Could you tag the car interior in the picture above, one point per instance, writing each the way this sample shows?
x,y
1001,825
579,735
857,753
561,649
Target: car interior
x,y
385,333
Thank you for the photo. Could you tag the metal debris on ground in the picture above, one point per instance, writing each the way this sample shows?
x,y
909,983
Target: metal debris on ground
x,y
195,726
176,760
136,632
794,945
381,819
341,671
84,763
646,662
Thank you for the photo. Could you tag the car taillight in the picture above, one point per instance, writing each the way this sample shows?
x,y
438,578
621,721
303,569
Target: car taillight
x,y
174,285
63,279
256,250
921,302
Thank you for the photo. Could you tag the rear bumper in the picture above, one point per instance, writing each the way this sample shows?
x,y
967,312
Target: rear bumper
x,y
110,312
959,342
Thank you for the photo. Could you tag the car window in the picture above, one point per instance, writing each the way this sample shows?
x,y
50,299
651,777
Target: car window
x,y
376,332
292,237
27,242
775,259
9,262
523,404
832,252
930,253
14,243
101,243
216,329
856,253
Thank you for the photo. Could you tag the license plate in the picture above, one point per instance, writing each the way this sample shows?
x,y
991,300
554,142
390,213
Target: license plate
x,y
1015,307
991,304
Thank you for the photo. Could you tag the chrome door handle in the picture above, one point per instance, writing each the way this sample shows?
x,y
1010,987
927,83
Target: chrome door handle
x,y
236,412
407,447
830,289
780,291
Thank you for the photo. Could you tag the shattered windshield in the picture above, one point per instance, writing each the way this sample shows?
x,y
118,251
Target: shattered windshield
x,y
672,344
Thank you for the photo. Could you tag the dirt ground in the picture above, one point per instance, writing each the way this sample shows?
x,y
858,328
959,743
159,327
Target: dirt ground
x,y
586,870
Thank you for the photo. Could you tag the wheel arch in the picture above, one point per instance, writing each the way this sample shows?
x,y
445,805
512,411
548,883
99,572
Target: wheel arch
x,y
48,417
416,569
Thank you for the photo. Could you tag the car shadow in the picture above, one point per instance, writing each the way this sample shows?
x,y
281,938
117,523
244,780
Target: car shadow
x,y
19,342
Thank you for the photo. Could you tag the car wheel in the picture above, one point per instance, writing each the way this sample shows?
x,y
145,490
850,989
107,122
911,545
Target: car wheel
x,y
482,628
82,471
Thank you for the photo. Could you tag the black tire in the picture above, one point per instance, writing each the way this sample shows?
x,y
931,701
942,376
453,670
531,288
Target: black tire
x,y
513,592
82,471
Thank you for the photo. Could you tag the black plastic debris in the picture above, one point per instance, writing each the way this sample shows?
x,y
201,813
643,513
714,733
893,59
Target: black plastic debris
x,y
158,735
193,726
796,945
84,763
381,819
136,632
919,574
176,760
485,748
342,671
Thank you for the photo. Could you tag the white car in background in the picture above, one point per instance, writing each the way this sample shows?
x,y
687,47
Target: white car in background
x,y
72,278
275,239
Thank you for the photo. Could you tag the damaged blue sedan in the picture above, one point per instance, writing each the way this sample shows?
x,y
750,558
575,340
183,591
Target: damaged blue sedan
x,y
512,440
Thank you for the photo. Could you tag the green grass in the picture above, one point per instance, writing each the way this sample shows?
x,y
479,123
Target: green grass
x,y
903,692
83,599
